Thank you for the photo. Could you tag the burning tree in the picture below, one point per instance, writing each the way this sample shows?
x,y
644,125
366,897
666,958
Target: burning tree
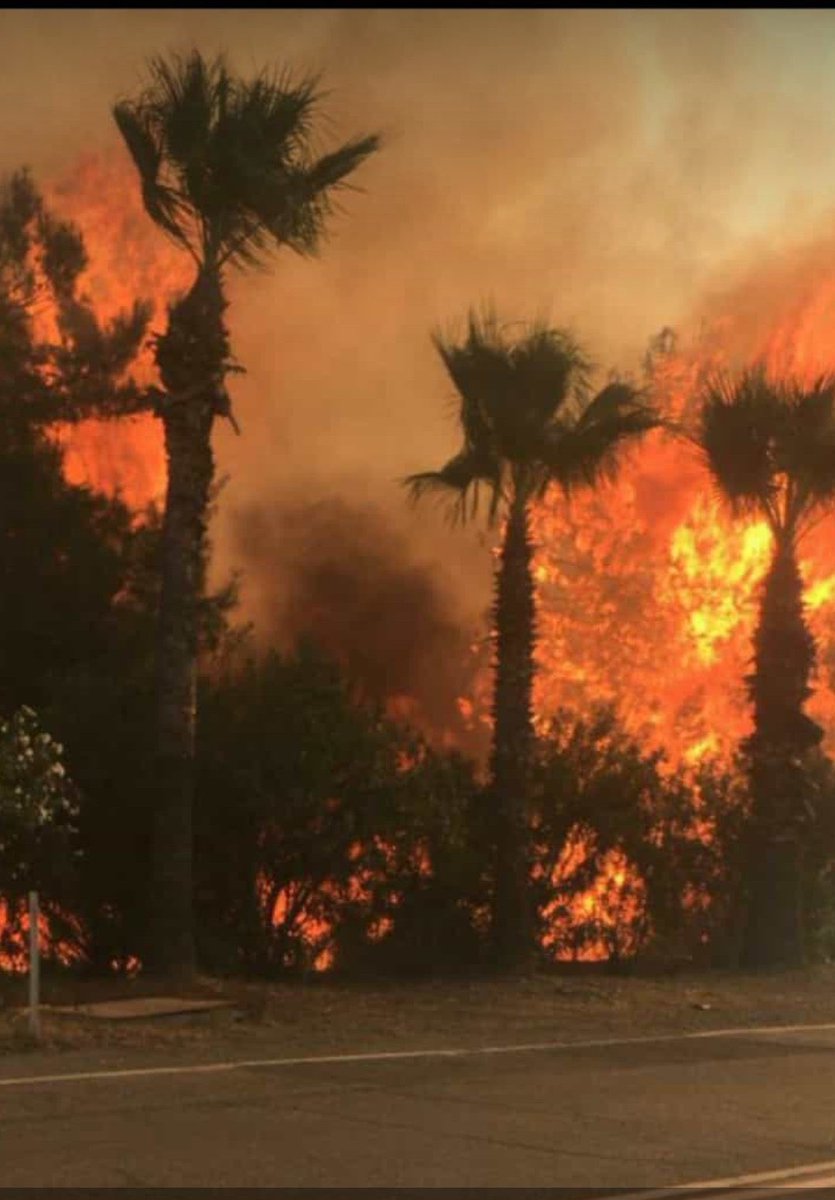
x,y
227,171
58,362
770,446
529,420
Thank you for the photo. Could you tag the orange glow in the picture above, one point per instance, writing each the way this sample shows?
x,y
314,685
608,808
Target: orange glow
x,y
598,922
15,960
315,932
122,458
129,259
647,591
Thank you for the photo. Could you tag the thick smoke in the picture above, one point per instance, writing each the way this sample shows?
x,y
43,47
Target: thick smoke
x,y
341,573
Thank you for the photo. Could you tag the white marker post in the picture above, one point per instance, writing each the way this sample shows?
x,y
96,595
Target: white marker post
x,y
34,968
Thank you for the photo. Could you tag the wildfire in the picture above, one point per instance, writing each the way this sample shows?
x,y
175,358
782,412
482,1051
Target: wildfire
x,y
646,591
648,594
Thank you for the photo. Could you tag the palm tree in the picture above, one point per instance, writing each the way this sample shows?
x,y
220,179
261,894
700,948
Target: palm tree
x,y
770,447
529,420
228,171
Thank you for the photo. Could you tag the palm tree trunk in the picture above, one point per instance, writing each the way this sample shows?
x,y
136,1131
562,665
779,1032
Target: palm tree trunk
x,y
777,754
190,357
514,617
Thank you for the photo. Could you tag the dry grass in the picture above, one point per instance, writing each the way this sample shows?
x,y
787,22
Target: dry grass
x,y
324,1017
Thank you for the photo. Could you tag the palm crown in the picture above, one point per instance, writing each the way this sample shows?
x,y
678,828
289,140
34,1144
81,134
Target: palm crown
x,y
226,165
529,417
770,447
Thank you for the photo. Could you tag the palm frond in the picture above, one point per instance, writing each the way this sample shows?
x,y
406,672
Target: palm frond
x,y
551,368
188,96
617,399
474,425
161,201
291,205
525,411
510,388
332,170
479,367
590,450
458,481
273,114
739,424
805,449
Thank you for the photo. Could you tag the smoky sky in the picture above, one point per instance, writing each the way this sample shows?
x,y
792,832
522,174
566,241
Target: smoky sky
x,y
609,170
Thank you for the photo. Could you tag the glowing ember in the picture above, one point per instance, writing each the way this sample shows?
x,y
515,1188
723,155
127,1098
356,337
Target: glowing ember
x,y
600,922
14,954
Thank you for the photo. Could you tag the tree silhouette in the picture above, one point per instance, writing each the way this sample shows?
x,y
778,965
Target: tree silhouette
x,y
74,618
228,171
529,420
770,447
57,361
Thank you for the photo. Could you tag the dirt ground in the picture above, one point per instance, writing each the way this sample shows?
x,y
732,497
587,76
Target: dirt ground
x,y
324,1017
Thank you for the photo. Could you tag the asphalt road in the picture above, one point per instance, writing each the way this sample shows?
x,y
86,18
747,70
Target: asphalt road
x,y
646,1115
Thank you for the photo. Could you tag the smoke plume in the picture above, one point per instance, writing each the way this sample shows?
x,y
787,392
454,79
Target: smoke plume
x,y
340,573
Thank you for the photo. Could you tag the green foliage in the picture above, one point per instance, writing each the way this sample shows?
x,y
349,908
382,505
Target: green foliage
x,y
38,822
76,635
101,702
63,554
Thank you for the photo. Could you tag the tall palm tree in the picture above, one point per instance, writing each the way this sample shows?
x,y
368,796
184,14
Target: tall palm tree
x,y
770,447
529,420
228,171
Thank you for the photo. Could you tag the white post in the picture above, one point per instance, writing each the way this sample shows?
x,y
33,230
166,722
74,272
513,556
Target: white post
x,y
34,968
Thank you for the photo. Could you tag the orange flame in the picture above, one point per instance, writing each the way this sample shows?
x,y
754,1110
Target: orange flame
x,y
648,592
128,260
14,959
